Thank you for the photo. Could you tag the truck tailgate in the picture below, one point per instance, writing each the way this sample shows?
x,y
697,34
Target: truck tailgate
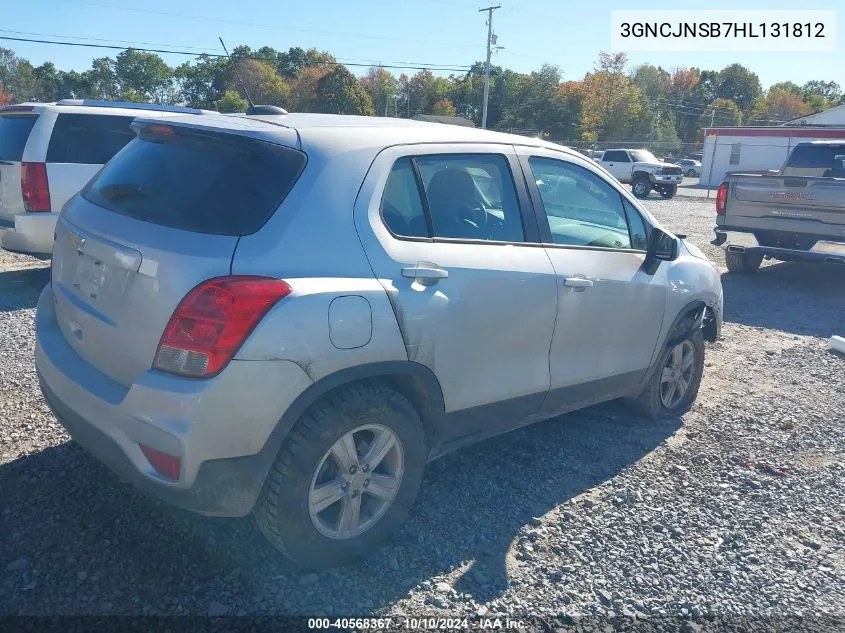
x,y
818,204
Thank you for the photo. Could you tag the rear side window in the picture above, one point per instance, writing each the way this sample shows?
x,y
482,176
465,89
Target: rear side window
x,y
14,131
457,196
205,182
816,160
87,138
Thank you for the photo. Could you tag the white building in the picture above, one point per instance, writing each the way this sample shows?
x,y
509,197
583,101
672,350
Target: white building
x,y
754,149
758,149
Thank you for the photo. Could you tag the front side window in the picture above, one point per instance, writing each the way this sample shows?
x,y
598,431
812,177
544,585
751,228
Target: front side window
x,y
644,156
639,233
582,208
616,157
457,196
87,138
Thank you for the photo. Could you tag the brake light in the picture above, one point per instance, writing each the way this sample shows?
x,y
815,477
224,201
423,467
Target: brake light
x,y
35,189
212,322
168,465
722,198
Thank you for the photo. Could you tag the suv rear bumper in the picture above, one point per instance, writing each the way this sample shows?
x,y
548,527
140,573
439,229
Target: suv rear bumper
x,y
218,427
30,233
823,250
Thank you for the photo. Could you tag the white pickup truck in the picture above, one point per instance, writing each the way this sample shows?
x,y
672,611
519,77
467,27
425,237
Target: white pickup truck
x,y
643,171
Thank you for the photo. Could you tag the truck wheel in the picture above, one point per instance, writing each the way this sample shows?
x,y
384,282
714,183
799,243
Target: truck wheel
x,y
641,187
668,193
743,263
344,478
674,383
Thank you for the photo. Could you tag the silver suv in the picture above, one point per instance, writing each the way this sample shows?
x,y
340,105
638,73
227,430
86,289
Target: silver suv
x,y
292,314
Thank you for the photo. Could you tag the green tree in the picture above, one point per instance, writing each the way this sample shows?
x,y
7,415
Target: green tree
x,y
101,79
200,84
829,90
144,75
231,101
339,92
381,85
264,84
726,114
740,85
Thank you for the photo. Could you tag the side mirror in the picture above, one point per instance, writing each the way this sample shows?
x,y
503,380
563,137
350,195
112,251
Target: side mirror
x,y
662,247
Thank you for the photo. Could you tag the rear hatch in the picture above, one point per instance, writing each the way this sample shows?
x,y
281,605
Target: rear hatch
x,y
809,190
16,122
164,215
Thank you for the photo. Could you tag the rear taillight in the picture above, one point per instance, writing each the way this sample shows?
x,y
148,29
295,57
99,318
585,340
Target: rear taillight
x,y
721,198
168,465
213,321
34,187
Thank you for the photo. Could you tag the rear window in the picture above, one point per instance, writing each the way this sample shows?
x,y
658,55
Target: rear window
x,y
203,182
817,160
88,138
14,131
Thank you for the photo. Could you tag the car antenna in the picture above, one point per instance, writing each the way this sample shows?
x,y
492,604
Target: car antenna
x,y
252,109
237,74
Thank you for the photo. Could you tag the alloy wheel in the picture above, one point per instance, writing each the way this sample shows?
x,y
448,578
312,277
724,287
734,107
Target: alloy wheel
x,y
677,374
356,481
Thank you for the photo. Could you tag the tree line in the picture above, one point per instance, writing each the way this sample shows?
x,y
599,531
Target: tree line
x,y
613,103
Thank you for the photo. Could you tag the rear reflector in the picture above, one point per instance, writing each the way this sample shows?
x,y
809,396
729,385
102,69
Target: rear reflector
x,y
167,465
212,322
721,198
35,189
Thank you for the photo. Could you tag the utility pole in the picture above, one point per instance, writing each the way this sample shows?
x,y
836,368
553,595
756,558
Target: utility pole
x,y
487,67
713,117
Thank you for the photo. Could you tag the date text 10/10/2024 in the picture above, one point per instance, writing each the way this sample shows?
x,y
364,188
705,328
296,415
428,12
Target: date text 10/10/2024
x,y
416,624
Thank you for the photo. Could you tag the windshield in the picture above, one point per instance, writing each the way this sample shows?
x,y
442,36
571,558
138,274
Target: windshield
x,y
643,156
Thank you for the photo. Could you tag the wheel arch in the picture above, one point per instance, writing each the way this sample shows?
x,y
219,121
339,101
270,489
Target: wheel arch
x,y
414,381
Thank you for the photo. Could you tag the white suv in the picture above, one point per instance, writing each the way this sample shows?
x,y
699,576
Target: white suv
x,y
48,151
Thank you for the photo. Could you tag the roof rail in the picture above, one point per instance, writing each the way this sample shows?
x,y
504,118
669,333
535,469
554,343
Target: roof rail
x,y
132,105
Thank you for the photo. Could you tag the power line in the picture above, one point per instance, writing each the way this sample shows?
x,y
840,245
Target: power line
x,y
220,55
266,26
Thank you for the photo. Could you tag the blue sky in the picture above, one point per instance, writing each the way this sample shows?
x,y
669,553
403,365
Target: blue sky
x,y
567,33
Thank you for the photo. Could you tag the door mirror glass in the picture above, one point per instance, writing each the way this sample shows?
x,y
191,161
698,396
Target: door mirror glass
x,y
662,246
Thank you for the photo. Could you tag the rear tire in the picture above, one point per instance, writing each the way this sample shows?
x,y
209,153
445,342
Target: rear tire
x,y
743,263
641,187
667,193
309,463
691,173
686,358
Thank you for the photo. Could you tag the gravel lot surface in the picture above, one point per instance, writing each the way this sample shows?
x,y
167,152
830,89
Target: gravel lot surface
x,y
734,510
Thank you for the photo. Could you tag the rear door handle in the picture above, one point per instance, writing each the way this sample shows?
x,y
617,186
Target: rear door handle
x,y
425,272
578,282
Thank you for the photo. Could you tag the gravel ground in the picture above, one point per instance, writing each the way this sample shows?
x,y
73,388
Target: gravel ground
x,y
735,510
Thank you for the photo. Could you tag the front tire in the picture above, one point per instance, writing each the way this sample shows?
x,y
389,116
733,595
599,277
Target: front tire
x,y
743,263
667,193
344,478
641,187
673,385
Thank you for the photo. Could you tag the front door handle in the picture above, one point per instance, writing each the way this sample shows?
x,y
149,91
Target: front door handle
x,y
579,283
425,272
